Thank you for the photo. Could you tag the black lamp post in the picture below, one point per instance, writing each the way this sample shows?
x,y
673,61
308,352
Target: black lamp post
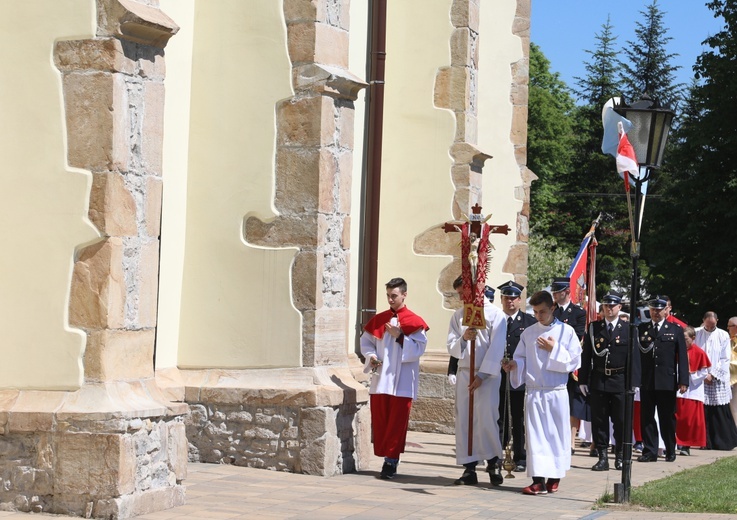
x,y
648,135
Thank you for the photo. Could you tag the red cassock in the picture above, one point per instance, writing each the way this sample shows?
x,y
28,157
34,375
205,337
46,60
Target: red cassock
x,y
390,413
690,422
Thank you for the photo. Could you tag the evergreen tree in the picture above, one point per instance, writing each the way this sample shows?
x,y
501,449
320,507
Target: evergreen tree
x,y
602,81
647,68
688,244
594,186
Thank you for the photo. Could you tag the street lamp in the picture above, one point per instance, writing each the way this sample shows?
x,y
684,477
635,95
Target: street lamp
x,y
648,135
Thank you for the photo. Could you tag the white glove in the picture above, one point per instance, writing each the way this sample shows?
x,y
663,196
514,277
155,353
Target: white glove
x,y
584,389
452,379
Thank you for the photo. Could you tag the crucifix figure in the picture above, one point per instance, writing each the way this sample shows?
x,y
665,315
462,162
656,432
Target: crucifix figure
x,y
474,257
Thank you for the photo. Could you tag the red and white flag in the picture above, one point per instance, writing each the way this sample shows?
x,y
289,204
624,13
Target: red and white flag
x,y
626,160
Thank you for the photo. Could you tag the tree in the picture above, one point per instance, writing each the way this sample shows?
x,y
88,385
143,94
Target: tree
x,y
689,246
549,140
648,68
594,187
544,257
602,80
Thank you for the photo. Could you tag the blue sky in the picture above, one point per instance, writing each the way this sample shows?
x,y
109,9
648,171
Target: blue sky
x,y
565,29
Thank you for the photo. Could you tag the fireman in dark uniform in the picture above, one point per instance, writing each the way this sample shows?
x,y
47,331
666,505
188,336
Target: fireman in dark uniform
x,y
664,370
602,377
517,321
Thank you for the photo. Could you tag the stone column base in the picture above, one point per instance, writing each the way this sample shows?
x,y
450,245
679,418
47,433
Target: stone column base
x,y
304,420
434,409
107,450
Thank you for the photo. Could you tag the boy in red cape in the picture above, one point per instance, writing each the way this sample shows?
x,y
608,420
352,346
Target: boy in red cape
x,y
392,344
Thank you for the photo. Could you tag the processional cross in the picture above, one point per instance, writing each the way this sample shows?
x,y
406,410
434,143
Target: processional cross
x,y
474,256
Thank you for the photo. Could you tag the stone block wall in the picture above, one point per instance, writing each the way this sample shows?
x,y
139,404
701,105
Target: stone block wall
x,y
305,420
279,438
115,447
99,464
434,409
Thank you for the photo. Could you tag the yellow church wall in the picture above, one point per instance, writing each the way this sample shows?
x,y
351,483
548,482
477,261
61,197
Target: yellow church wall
x,y
175,168
43,202
416,187
357,65
502,180
236,308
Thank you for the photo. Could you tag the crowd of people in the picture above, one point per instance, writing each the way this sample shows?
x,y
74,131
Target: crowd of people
x,y
538,379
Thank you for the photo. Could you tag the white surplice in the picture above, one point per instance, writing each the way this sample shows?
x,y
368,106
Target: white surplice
x,y
716,344
399,372
547,412
490,343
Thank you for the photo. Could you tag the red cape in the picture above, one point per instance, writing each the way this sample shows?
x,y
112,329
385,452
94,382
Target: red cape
x,y
673,319
409,322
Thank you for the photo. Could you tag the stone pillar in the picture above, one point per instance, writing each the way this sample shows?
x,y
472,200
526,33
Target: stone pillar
x,y
456,89
116,447
312,419
516,261
314,160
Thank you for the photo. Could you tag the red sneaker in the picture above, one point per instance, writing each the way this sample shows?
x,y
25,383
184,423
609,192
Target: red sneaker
x,y
552,487
535,489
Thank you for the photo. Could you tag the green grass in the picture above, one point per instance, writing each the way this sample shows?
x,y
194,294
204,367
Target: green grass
x,y
705,489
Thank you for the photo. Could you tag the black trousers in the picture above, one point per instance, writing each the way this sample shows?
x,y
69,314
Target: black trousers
x,y
606,405
665,402
517,406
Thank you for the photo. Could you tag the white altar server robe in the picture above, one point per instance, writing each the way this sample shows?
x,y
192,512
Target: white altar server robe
x,y
547,411
490,343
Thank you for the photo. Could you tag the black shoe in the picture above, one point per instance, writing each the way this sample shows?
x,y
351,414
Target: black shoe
x,y
468,478
685,450
618,464
602,465
388,471
647,457
670,457
495,475
595,452
521,467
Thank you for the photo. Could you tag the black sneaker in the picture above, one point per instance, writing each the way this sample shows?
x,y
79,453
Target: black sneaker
x,y
469,478
388,471
521,467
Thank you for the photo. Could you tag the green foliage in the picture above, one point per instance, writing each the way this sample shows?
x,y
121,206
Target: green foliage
x,y
550,137
602,80
648,68
576,180
545,261
692,256
705,489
